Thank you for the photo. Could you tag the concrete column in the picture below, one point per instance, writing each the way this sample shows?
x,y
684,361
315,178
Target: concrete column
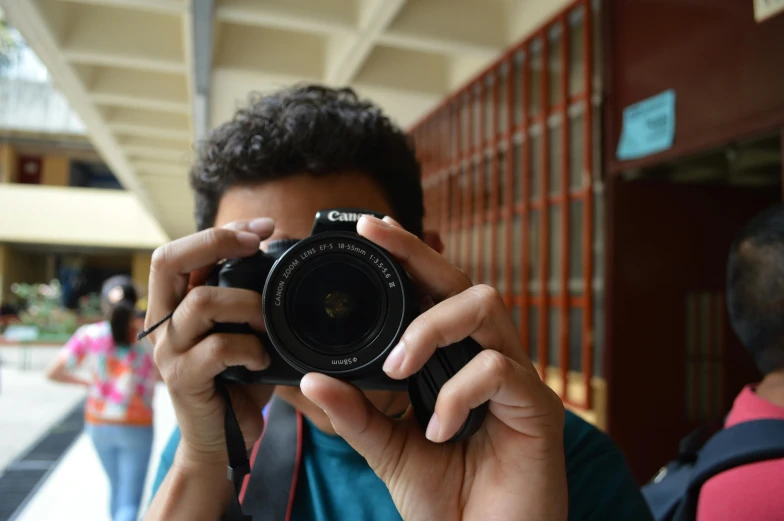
x,y
9,164
140,270
140,273
3,295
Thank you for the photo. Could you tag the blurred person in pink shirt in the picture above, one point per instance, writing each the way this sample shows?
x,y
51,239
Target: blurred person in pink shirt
x,y
121,381
755,298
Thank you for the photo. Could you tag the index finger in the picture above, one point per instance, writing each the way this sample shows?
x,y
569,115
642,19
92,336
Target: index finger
x,y
257,226
173,263
430,269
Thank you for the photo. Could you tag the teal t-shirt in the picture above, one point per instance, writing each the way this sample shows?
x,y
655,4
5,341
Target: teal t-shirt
x,y
601,486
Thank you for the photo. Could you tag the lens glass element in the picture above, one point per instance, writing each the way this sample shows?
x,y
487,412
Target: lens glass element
x,y
335,306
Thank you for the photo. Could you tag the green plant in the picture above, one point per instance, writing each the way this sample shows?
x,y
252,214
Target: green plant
x,y
90,305
43,308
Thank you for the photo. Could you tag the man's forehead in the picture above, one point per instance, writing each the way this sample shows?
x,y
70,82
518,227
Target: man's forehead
x,y
293,201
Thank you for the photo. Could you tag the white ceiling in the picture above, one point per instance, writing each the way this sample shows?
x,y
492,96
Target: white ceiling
x,y
127,66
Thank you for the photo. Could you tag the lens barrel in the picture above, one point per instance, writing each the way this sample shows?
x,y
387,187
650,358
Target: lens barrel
x,y
336,303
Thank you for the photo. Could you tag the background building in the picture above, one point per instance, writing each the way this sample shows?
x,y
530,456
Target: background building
x,y
611,260
63,214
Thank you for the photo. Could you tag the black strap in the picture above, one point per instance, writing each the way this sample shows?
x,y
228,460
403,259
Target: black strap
x,y
239,466
142,334
271,482
272,479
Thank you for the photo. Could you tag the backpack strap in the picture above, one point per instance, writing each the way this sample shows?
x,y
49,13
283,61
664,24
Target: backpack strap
x,y
269,495
741,444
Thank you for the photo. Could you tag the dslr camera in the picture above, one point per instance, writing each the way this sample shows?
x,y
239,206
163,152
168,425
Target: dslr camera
x,y
336,303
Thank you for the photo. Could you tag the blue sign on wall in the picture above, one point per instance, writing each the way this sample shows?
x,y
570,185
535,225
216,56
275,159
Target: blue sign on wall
x,y
648,127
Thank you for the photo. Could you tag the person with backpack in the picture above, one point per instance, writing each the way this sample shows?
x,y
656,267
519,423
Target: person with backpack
x,y
738,473
328,451
120,378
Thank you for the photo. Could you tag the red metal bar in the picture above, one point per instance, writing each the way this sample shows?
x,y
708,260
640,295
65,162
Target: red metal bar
x,y
466,176
544,239
574,302
454,176
526,212
587,336
557,107
455,205
478,168
509,183
443,121
564,336
495,151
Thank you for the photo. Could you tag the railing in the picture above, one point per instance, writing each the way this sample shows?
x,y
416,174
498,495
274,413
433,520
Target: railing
x,y
36,107
28,100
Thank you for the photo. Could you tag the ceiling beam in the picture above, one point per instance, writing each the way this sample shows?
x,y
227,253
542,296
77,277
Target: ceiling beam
x,y
138,102
147,169
350,57
200,52
154,153
136,61
129,129
147,123
441,45
148,141
154,6
319,19
29,20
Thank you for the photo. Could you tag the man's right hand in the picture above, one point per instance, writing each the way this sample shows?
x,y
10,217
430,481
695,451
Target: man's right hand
x,y
188,356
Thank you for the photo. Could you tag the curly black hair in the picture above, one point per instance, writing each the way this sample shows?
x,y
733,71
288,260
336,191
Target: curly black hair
x,y
755,288
313,129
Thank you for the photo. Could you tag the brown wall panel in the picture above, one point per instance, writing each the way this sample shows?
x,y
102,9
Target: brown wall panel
x,y
667,242
726,69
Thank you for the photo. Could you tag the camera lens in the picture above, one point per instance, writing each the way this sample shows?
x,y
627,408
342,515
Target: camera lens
x,y
336,305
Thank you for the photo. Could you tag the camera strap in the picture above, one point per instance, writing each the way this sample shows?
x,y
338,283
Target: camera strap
x,y
239,465
268,495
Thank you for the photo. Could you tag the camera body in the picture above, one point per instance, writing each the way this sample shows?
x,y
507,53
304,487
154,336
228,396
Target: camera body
x,y
336,303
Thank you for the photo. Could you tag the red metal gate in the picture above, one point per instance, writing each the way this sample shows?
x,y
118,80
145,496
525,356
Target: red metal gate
x,y
508,172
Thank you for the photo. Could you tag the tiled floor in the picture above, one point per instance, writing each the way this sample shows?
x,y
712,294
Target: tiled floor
x,y
29,404
76,489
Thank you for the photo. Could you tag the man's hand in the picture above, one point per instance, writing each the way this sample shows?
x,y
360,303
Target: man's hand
x,y
513,468
189,358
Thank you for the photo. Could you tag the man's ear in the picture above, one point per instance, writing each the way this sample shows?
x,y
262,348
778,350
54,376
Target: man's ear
x,y
433,239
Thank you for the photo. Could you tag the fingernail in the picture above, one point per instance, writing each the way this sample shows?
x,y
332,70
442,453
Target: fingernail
x,y
395,359
248,240
433,427
262,226
304,386
372,219
387,219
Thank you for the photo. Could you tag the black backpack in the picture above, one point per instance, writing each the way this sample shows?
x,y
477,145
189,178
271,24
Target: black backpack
x,y
672,495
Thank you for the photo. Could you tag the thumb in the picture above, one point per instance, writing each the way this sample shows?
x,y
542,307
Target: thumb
x,y
371,433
